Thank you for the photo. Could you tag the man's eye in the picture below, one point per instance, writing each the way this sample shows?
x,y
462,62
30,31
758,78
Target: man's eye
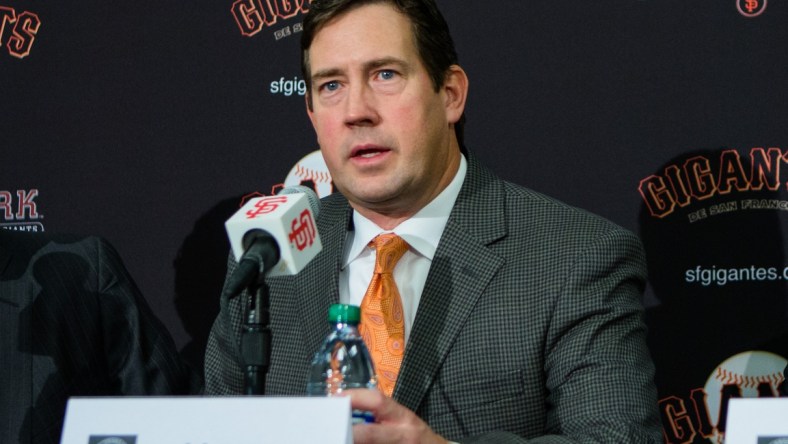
x,y
387,74
330,86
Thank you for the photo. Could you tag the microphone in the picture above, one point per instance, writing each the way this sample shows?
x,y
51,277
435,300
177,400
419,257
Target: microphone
x,y
273,236
269,236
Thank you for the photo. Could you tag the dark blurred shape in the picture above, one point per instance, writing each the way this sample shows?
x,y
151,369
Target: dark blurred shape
x,y
199,274
73,323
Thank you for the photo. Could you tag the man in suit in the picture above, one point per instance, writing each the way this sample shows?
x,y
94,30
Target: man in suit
x,y
522,315
74,324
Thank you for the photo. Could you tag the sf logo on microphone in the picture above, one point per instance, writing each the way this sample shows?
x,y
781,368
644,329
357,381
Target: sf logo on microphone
x,y
303,231
265,206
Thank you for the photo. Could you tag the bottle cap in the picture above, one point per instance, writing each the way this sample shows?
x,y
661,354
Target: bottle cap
x,y
349,314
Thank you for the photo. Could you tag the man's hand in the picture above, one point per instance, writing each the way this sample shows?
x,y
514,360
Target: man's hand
x,y
393,422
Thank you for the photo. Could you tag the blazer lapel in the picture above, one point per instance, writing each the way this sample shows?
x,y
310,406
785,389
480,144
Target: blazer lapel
x,y
461,270
320,286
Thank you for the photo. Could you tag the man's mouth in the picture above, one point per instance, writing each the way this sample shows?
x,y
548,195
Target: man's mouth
x,y
368,151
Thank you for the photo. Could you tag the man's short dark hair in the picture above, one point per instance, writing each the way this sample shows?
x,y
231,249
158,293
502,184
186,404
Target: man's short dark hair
x,y
430,31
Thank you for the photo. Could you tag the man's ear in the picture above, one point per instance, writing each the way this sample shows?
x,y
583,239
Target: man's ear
x,y
309,111
308,100
455,87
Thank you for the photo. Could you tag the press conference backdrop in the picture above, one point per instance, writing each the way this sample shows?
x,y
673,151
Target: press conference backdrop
x,y
147,122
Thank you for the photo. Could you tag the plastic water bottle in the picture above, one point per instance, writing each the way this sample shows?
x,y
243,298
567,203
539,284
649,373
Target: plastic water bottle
x,y
343,361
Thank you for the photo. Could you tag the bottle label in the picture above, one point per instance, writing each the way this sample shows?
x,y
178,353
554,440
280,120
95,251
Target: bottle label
x,y
361,417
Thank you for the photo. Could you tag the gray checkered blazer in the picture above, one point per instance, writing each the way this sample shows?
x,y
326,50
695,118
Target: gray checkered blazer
x,y
530,324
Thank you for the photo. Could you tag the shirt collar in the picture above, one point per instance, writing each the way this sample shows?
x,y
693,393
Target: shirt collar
x,y
422,231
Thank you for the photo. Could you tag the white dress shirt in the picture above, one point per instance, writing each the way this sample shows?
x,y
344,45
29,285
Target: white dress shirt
x,y
422,232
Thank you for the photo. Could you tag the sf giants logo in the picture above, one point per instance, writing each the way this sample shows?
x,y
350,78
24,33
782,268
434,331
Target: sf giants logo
x,y
700,178
265,206
751,8
253,15
304,231
22,33
703,417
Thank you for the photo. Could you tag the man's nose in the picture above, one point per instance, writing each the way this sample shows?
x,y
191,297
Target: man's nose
x,y
361,106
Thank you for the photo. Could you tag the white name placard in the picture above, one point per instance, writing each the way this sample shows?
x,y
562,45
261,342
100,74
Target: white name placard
x,y
757,421
207,420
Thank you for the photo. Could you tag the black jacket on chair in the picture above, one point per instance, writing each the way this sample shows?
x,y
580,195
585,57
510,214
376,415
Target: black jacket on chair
x,y
73,323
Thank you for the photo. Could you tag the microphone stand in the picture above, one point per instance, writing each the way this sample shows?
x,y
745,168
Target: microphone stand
x,y
254,350
256,340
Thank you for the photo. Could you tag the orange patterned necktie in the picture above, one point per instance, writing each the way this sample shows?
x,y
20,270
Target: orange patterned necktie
x,y
382,320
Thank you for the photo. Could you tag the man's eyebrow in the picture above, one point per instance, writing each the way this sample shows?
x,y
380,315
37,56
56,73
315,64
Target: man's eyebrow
x,y
325,73
377,63
368,66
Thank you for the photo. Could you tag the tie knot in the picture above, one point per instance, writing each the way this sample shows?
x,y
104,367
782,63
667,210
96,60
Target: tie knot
x,y
389,248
